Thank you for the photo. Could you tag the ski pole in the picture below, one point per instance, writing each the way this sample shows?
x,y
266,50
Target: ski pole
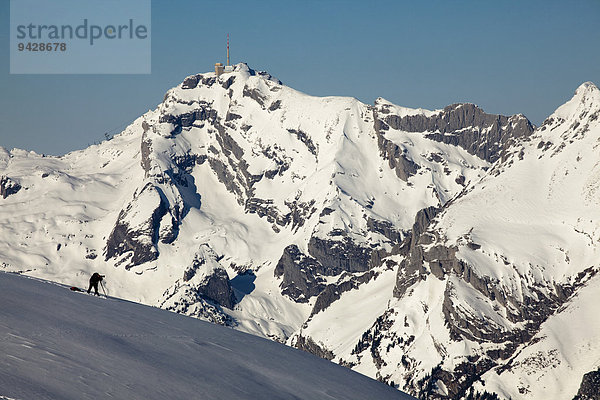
x,y
103,289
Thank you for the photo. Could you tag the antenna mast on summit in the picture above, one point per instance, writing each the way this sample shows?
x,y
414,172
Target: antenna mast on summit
x,y
228,49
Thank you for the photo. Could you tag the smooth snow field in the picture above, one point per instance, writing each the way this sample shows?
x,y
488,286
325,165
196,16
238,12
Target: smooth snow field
x,y
57,344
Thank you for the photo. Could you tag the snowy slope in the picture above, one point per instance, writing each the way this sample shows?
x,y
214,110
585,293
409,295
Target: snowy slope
x,y
547,193
57,344
553,364
563,210
501,284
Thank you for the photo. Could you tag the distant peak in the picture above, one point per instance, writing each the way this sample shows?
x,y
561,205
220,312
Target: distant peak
x,y
586,98
241,70
586,87
246,71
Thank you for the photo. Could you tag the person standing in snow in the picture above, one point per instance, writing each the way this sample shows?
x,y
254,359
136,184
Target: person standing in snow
x,y
94,280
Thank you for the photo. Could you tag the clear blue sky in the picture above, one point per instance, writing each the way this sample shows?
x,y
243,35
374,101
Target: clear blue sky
x,y
506,56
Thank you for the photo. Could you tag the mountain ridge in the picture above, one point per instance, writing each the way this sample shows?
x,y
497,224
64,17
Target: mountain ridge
x,y
246,203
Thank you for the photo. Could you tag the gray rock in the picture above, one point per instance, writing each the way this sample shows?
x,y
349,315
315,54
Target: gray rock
x,y
334,291
226,177
275,105
468,126
186,162
441,259
397,158
423,219
590,386
217,288
309,345
265,208
232,116
227,84
411,269
204,112
8,186
301,274
300,212
304,138
255,95
208,81
191,81
146,150
340,255
140,240
185,299
203,291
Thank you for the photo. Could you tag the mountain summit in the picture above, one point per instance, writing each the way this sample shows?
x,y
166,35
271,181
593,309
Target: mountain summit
x,y
585,100
422,248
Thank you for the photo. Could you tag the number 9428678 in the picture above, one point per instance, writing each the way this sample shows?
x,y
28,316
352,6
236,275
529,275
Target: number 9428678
x,y
29,46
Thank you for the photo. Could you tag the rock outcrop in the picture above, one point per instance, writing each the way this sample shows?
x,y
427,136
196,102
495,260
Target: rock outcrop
x,y
334,291
309,345
467,126
590,387
217,287
135,235
337,255
411,269
8,186
203,289
302,274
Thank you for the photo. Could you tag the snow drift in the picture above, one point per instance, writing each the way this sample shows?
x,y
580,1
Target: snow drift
x,y
58,344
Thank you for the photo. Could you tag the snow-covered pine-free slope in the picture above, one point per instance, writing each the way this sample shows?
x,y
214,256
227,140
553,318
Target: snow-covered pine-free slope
x,y
56,344
510,287
552,365
558,221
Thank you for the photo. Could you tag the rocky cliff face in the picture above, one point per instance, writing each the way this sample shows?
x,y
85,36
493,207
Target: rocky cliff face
x,y
136,232
431,250
465,125
301,274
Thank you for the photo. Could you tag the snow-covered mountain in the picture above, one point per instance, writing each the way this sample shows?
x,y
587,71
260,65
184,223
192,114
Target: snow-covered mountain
x,y
438,251
60,345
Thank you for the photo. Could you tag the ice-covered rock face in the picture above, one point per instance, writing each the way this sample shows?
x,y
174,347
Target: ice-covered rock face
x,y
368,234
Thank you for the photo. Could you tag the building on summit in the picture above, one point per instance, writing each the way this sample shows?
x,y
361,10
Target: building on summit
x,y
219,67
